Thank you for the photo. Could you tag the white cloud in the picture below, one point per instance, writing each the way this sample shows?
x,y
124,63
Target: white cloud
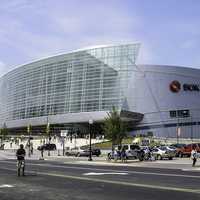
x,y
35,30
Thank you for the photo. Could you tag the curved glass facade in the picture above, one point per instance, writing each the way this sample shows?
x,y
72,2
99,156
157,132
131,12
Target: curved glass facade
x,y
82,81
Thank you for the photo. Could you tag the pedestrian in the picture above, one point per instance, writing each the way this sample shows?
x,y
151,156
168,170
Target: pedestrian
x,y
116,154
194,156
42,152
21,153
123,155
32,148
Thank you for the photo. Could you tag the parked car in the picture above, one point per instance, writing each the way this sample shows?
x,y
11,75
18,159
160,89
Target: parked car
x,y
96,152
2,146
186,150
132,152
163,152
177,147
78,151
47,147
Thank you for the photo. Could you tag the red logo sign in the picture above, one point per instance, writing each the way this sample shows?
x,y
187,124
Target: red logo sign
x,y
175,86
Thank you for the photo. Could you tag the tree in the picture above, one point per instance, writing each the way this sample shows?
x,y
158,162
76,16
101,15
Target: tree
x,y
114,127
29,129
3,132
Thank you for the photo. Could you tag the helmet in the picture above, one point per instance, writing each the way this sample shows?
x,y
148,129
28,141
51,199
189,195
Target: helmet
x,y
21,146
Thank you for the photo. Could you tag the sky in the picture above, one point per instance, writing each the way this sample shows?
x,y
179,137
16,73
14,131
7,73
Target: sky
x,y
168,30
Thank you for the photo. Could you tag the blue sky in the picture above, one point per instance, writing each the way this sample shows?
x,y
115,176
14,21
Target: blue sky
x,y
169,30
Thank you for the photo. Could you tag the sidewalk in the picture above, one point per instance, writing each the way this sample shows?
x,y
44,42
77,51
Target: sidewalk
x,y
75,142
184,164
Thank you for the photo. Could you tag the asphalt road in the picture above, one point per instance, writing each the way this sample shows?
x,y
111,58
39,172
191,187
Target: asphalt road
x,y
64,181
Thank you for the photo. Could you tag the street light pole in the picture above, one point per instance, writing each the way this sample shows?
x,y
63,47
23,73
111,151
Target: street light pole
x,y
192,128
29,141
48,132
178,132
90,124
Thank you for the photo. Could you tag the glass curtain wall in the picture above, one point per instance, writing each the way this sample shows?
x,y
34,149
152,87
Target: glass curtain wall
x,y
82,81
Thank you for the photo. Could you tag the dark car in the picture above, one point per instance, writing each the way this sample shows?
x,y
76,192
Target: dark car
x,y
96,152
47,147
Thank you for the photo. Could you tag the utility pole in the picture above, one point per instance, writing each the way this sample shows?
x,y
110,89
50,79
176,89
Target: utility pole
x,y
29,140
48,133
90,132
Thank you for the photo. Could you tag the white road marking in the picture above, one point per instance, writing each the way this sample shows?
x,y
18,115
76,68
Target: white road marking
x,y
105,173
6,186
192,169
171,162
156,187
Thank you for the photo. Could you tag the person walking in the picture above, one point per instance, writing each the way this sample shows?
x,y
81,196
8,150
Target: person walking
x,y
194,156
20,154
123,155
115,154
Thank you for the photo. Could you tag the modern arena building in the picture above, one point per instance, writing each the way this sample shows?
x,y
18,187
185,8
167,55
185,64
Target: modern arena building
x,y
68,90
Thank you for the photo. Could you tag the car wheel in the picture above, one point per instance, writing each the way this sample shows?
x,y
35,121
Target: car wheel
x,y
140,157
78,155
159,157
170,158
180,155
109,157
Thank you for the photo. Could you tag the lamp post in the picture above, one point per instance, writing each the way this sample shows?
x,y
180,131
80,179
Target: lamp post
x,y
192,128
29,140
48,132
90,124
178,131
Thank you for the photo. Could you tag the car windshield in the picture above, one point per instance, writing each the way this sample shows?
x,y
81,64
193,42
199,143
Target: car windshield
x,y
163,148
133,147
172,147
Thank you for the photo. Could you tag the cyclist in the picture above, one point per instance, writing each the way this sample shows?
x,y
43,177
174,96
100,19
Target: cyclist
x,y
20,159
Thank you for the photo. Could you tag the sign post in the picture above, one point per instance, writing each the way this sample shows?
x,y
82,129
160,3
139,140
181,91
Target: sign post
x,y
178,134
63,134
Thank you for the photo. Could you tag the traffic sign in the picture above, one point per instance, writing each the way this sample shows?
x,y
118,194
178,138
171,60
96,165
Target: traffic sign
x,y
63,133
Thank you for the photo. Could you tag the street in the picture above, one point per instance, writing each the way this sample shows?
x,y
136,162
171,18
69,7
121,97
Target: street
x,y
59,180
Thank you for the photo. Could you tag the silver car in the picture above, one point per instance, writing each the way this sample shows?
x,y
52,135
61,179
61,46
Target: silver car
x,y
163,152
77,151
